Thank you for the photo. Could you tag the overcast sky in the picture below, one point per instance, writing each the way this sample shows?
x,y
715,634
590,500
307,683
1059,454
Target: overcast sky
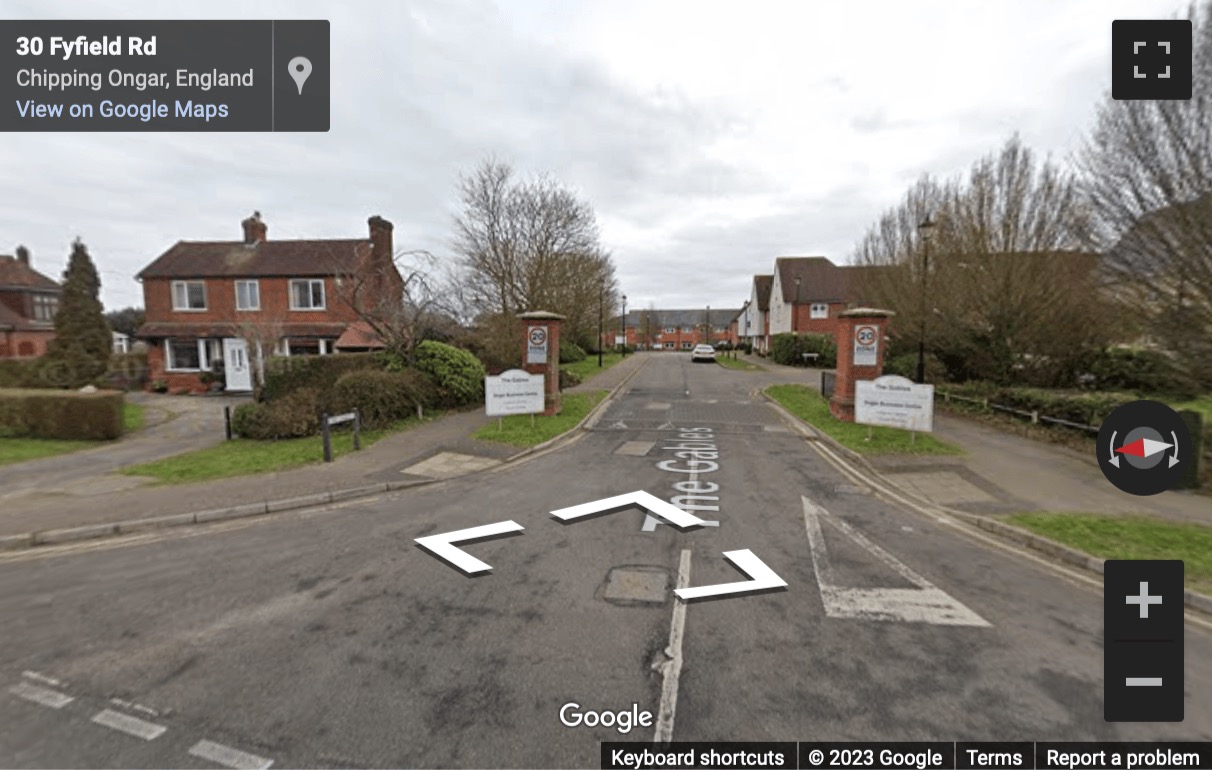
x,y
709,137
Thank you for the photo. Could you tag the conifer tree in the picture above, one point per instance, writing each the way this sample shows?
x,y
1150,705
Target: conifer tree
x,y
83,344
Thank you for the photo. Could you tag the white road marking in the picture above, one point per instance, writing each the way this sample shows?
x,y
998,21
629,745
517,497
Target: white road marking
x,y
229,757
1144,681
41,695
663,732
131,706
925,604
43,678
129,725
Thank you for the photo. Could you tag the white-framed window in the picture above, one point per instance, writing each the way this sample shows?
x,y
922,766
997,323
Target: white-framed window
x,y
669,346
687,346
192,355
819,310
307,294
189,295
45,307
670,330
248,295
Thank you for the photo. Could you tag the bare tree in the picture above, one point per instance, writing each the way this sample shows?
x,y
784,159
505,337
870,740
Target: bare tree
x,y
530,246
1147,169
1001,289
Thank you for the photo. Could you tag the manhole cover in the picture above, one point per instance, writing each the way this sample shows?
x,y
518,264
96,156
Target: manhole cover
x,y
627,585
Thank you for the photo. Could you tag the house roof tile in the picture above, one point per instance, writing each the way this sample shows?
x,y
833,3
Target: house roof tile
x,y
213,259
15,273
764,283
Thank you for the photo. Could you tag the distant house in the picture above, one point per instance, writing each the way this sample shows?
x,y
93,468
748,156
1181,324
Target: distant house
x,y
230,304
122,343
28,303
754,323
807,294
674,329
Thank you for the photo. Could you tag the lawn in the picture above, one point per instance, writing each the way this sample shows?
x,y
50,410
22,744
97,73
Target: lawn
x,y
16,450
589,367
241,457
808,405
1129,537
735,363
516,429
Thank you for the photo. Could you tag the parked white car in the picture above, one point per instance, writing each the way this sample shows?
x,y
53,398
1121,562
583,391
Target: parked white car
x,y
702,353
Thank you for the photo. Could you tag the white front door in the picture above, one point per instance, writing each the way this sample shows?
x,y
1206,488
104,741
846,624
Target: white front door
x,y
235,361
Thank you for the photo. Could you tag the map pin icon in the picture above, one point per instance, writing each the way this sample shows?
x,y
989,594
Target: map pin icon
x,y
299,68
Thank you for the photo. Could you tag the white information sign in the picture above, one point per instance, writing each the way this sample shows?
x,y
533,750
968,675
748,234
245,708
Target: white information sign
x,y
513,392
536,345
894,402
866,345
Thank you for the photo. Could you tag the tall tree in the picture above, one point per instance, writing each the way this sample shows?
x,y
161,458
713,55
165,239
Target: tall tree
x,y
127,320
1000,289
531,245
83,344
1147,169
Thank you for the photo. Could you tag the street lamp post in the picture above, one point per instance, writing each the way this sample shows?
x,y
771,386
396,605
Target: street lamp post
x,y
623,325
795,309
601,331
925,229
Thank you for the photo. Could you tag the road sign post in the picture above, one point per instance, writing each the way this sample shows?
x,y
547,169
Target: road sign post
x,y
326,424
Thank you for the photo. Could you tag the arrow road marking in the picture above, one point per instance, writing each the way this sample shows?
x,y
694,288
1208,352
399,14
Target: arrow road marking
x,y
761,578
924,604
649,502
442,545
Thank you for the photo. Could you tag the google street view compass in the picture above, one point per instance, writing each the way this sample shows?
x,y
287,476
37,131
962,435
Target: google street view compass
x,y
1142,448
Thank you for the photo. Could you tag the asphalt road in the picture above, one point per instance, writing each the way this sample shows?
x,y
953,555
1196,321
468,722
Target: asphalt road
x,y
328,638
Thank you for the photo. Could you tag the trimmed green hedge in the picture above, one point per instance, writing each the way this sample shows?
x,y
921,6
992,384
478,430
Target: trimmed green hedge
x,y
458,375
1074,406
286,374
59,414
383,398
786,349
570,352
293,415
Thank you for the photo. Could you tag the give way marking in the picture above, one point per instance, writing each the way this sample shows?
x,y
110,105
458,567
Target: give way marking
x,y
925,604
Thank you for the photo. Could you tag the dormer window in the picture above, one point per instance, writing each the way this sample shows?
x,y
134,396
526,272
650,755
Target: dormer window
x,y
45,307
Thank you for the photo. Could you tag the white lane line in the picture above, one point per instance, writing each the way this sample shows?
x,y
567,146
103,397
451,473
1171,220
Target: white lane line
x,y
43,678
925,604
229,757
673,667
41,695
129,725
131,706
1144,681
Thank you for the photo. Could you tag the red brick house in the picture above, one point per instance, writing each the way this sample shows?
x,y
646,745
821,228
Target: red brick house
x,y
808,293
28,303
674,329
231,304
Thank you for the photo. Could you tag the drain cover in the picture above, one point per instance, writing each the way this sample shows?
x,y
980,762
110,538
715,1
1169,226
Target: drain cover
x,y
626,585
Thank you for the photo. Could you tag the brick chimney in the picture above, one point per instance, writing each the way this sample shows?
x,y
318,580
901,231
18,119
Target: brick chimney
x,y
254,229
23,255
381,249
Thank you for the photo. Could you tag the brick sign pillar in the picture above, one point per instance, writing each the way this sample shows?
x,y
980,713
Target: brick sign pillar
x,y
541,353
861,343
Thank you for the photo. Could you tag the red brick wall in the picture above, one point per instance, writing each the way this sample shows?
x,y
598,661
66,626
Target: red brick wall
x,y
805,324
221,303
14,344
176,380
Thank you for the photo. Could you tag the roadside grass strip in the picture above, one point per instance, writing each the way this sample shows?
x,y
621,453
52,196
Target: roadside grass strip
x,y
17,450
736,363
811,407
589,367
1128,537
516,429
132,418
242,457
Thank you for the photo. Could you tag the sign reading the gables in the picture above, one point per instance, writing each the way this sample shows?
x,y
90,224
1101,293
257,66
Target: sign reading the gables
x,y
513,392
894,402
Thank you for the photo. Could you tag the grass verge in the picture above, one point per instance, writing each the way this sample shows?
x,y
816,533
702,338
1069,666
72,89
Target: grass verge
x,y
808,405
18,450
736,363
589,367
132,417
1203,405
1129,537
242,457
516,429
